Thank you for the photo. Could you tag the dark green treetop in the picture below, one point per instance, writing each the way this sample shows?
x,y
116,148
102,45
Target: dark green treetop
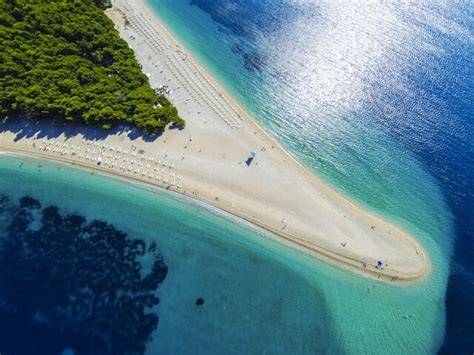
x,y
64,59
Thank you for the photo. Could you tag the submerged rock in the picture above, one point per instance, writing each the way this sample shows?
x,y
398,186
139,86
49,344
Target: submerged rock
x,y
199,302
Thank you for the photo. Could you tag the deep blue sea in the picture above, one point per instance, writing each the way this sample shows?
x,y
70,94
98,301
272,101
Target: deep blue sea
x,y
375,97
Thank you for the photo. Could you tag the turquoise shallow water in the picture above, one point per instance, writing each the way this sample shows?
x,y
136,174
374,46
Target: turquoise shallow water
x,y
259,296
375,97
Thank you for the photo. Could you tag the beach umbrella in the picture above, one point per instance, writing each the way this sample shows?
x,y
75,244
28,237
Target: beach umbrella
x,y
253,153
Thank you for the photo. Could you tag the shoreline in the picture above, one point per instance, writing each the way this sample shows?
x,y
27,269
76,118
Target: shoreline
x,y
309,174
274,191
271,233
222,90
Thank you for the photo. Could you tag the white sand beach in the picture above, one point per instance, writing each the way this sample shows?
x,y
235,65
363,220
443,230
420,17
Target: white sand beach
x,y
207,161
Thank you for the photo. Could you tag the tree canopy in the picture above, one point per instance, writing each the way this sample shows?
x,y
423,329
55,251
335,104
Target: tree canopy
x,y
64,59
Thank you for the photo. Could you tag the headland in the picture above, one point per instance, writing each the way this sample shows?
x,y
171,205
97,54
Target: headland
x,y
225,159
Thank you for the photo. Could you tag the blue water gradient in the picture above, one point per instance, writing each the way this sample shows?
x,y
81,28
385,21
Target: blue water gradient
x,y
69,226
375,97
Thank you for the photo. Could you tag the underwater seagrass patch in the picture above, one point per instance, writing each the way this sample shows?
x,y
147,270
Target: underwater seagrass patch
x,y
73,284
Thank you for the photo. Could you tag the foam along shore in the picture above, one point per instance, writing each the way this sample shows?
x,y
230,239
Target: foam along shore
x,y
210,160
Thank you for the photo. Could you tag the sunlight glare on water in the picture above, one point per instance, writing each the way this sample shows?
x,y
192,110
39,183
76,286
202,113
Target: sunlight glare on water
x,y
373,96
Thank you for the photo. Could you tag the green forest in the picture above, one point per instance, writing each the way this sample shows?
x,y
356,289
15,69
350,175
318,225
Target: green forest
x,y
63,59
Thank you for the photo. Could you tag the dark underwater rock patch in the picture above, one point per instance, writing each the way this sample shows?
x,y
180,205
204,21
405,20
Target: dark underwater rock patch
x,y
74,285
199,302
29,202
